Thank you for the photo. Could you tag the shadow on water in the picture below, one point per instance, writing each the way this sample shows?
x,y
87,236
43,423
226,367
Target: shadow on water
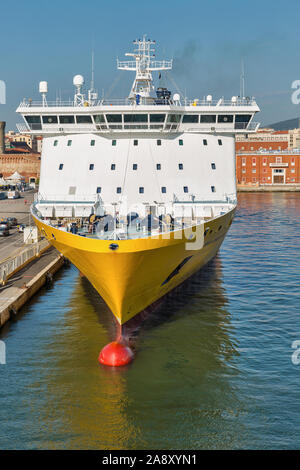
x,y
177,392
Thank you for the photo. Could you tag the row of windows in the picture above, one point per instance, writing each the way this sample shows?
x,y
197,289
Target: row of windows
x,y
163,189
265,170
139,118
135,142
135,166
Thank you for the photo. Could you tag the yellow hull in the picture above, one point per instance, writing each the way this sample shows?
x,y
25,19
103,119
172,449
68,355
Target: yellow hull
x,y
142,270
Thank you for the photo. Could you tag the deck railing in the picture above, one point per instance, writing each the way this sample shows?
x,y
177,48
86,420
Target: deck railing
x,y
143,101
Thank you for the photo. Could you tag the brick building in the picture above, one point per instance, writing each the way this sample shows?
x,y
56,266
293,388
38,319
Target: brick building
x,y
268,157
268,167
27,164
19,157
267,139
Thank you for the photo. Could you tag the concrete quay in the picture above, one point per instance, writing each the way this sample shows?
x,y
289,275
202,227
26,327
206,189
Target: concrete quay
x,y
26,282
268,188
30,274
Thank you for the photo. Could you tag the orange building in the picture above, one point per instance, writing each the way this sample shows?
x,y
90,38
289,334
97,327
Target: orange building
x,y
268,167
24,162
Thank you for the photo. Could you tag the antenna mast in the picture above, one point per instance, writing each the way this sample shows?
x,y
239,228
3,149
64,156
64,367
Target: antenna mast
x,y
242,80
93,95
143,64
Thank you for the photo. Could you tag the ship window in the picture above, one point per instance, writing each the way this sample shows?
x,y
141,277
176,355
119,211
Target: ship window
x,y
163,189
135,142
135,117
158,166
141,190
55,143
219,141
207,118
180,166
242,118
49,119
174,117
204,142
213,189
113,143
61,165
33,119
91,166
84,119
180,142
72,190
113,166
185,189
213,166
190,118
69,143
114,117
99,118
98,189
66,119
118,190
134,166
157,117
158,142
226,118
92,143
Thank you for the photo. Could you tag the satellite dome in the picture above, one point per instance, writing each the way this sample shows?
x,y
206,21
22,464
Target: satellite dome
x,y
43,87
78,80
209,98
176,97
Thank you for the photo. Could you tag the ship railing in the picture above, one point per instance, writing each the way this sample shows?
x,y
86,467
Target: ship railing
x,y
228,128
77,129
67,198
139,127
231,198
142,101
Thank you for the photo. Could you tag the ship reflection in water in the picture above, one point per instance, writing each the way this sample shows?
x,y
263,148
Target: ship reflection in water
x,y
212,369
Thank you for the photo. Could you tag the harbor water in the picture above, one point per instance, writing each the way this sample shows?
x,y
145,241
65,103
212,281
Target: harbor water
x,y
213,368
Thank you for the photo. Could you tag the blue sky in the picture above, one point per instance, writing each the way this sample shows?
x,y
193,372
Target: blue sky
x,y
52,40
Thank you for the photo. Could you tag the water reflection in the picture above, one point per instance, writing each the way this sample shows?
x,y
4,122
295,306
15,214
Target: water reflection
x,y
176,393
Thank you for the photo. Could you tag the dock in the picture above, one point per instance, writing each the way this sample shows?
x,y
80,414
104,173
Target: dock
x,y
26,282
24,269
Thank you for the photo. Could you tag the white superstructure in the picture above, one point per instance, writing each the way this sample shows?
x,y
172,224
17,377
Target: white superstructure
x,y
150,149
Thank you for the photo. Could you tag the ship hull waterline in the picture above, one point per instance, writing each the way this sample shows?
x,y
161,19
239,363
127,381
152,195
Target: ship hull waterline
x,y
140,271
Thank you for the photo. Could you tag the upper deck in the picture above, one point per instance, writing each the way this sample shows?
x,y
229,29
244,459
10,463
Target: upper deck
x,y
145,110
148,115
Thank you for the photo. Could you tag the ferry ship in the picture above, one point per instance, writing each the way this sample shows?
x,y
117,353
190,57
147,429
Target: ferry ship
x,y
138,193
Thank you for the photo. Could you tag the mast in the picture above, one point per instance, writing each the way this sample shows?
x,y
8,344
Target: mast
x,y
143,64
92,94
242,81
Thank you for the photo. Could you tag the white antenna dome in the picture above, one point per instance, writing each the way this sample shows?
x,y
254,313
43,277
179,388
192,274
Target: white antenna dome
x,y
234,99
209,98
78,80
43,87
176,97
